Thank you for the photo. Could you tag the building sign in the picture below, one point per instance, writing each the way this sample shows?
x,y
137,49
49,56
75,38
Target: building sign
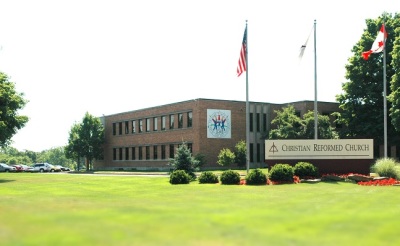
x,y
218,123
319,149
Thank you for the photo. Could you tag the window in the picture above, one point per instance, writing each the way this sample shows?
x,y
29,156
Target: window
x,y
120,154
147,152
189,119
120,128
190,147
258,152
264,122
140,126
251,153
163,123
258,122
251,121
140,153
180,120
114,129
126,127
114,154
126,153
171,121
133,153
155,124
163,152
133,126
155,154
171,151
147,124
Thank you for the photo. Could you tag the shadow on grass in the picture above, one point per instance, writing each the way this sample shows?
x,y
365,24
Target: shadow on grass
x,y
6,180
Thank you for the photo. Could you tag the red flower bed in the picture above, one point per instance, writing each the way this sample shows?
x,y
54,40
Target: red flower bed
x,y
380,182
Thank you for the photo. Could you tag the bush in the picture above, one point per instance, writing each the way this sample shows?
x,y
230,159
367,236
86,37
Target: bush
x,y
230,177
281,172
305,170
386,167
208,177
179,177
256,177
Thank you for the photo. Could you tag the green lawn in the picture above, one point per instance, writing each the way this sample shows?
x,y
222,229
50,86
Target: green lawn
x,y
75,209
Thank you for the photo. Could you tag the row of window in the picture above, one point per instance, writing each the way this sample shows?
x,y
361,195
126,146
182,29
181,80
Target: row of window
x,y
154,152
152,123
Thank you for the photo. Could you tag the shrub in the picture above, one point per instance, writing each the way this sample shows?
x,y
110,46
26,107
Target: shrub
x,y
230,177
305,170
386,167
208,177
179,177
226,157
256,177
281,172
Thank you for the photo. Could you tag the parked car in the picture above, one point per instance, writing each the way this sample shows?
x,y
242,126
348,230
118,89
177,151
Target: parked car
x,y
6,168
25,167
56,168
64,169
44,167
18,168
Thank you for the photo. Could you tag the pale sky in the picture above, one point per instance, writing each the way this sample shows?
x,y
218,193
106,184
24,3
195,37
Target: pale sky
x,y
110,56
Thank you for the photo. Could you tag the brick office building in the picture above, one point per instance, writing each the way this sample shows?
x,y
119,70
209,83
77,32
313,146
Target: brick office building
x,y
146,139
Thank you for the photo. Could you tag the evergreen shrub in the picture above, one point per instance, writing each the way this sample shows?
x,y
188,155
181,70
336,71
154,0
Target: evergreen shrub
x,y
179,177
305,170
230,177
208,177
281,172
256,177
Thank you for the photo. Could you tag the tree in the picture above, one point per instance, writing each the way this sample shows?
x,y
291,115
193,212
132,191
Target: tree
x,y
183,160
240,153
226,157
362,101
325,129
10,102
86,140
291,126
55,156
394,96
73,150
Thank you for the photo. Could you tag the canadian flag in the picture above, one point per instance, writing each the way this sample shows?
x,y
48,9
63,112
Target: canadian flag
x,y
378,45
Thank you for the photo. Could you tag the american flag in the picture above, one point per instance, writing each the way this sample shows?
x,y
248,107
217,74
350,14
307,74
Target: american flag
x,y
243,53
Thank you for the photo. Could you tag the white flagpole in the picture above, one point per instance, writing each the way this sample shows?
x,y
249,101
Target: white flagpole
x,y
384,95
315,84
247,106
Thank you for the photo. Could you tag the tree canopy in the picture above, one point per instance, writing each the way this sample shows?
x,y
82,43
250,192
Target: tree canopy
x,y
290,126
86,140
362,100
10,102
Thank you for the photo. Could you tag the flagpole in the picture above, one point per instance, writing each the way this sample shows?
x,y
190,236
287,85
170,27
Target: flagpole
x,y
384,97
315,83
247,106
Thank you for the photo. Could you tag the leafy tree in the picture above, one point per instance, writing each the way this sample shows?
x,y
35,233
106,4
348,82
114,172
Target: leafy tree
x,y
362,101
240,153
291,126
394,96
86,140
55,156
73,150
10,102
226,157
183,160
325,129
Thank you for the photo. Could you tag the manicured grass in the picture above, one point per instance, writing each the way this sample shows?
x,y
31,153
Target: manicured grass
x,y
76,209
